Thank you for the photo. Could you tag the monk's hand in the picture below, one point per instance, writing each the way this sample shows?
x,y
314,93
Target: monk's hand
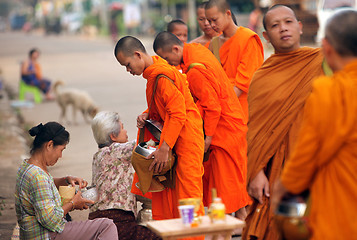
x,y
208,141
259,187
140,120
279,191
161,158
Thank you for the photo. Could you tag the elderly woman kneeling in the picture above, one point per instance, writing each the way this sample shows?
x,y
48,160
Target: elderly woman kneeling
x,y
112,173
39,211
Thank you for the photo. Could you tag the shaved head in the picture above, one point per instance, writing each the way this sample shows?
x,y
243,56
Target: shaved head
x,y
171,25
272,8
202,5
165,41
341,32
222,5
128,45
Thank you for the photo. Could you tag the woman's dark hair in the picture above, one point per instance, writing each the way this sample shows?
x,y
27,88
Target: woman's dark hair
x,y
45,133
32,51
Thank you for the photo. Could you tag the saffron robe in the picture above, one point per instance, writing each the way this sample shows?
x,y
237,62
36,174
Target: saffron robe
x,y
225,121
324,159
276,98
241,55
182,130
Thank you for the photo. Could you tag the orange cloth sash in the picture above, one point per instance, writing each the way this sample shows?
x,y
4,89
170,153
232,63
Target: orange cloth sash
x,y
241,56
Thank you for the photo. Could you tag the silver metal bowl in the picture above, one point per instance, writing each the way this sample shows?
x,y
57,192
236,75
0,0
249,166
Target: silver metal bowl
x,y
144,151
91,194
154,127
291,209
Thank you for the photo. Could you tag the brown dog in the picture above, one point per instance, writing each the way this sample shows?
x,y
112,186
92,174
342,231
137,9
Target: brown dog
x,y
79,99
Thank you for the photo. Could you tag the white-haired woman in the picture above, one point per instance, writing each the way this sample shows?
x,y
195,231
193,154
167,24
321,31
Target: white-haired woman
x,y
112,173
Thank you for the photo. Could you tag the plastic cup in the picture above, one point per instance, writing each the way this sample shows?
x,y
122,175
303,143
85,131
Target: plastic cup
x,y
187,214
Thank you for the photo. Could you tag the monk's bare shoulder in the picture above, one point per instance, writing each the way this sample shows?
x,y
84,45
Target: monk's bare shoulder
x,y
200,40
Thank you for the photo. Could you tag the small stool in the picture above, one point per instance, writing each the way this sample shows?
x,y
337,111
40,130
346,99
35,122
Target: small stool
x,y
35,91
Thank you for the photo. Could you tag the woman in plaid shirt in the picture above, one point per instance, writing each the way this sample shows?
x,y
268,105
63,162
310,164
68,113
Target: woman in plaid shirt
x,y
39,211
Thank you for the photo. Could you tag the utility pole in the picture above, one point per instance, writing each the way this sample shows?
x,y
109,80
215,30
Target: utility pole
x,y
192,18
104,15
164,8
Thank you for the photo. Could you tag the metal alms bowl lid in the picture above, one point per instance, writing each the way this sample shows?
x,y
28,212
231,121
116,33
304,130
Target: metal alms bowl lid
x,y
154,128
144,151
291,209
293,205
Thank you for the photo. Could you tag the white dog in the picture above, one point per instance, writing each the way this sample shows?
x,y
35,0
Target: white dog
x,y
79,99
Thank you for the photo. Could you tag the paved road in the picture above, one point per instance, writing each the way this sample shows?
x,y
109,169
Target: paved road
x,y
86,64
82,63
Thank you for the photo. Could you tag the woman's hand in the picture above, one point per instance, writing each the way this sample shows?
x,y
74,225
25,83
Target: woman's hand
x,y
160,158
140,120
79,202
76,181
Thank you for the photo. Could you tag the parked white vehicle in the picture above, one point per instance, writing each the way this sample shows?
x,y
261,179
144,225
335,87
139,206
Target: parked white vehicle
x,y
326,8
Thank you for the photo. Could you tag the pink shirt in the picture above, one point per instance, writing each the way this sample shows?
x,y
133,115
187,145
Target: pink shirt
x,y
112,173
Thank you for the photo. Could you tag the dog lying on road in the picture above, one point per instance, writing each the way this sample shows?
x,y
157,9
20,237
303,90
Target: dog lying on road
x,y
79,99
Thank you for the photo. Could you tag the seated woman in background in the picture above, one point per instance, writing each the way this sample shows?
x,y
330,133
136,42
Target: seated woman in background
x,y
31,74
112,173
37,200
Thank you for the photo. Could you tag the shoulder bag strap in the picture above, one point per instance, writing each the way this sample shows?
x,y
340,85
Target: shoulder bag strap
x,y
195,64
141,133
215,48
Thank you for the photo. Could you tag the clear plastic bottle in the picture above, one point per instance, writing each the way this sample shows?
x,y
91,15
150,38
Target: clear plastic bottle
x,y
217,209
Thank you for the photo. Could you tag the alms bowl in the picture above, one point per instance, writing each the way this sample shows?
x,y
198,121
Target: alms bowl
x,y
144,151
154,128
291,209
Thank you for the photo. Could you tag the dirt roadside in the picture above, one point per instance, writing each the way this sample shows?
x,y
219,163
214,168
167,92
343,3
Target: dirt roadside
x,y
13,148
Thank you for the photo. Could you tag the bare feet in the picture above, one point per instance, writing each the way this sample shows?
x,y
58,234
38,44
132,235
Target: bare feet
x,y
241,213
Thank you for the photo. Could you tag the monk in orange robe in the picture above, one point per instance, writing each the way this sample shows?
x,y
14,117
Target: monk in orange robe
x,y
208,32
239,49
224,121
276,98
324,159
182,125
179,29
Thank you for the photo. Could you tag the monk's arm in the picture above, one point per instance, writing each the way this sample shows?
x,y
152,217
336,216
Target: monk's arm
x,y
202,89
174,103
252,59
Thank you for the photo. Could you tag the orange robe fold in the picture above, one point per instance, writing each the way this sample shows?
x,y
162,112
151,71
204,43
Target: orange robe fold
x,y
241,55
276,99
324,159
225,121
182,130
